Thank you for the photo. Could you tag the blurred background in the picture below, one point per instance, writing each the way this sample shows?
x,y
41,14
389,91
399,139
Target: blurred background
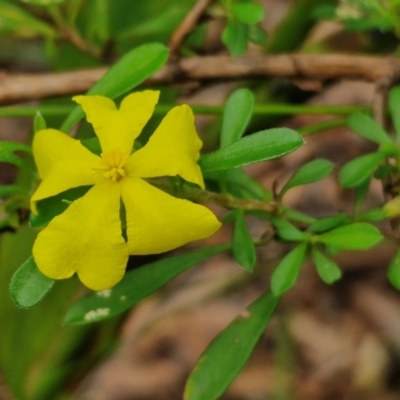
x,y
337,342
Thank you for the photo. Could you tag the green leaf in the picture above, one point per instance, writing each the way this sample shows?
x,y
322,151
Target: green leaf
x,y
228,352
52,206
135,286
260,146
257,35
366,127
93,30
287,231
242,243
12,190
360,169
39,122
328,223
7,150
327,269
131,70
234,37
45,3
230,216
20,22
93,145
28,285
383,171
324,11
311,172
394,107
240,184
361,192
287,271
356,236
237,113
248,13
394,271
376,214
298,216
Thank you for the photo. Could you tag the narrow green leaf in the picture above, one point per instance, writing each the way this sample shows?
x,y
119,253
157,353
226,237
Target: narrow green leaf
x,y
234,37
39,122
242,185
383,171
239,184
327,269
257,35
394,107
324,11
93,145
260,146
131,70
356,236
376,214
237,113
366,127
135,286
45,3
7,150
287,231
361,192
359,169
311,172
230,216
248,13
12,190
298,216
94,30
55,205
394,271
328,223
228,352
15,19
28,285
242,243
287,271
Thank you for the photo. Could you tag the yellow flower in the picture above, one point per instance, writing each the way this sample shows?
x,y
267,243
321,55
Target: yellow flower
x,y
87,237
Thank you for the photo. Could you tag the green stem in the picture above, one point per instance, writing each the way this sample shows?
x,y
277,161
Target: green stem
x,y
72,35
276,109
204,196
49,111
322,126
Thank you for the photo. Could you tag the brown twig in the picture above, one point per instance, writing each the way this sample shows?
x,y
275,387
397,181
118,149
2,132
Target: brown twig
x,y
187,25
17,88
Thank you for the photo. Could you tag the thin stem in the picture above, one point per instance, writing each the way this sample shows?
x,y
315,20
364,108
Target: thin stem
x,y
322,126
204,196
188,24
72,35
49,111
275,109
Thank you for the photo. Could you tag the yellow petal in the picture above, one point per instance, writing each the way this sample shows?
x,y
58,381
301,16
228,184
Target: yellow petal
x,y
49,146
173,149
158,222
86,239
73,168
119,128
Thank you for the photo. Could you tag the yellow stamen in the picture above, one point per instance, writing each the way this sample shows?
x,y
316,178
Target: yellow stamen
x,y
111,165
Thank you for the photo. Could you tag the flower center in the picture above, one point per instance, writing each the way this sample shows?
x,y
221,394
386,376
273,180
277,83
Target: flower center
x,y
112,165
